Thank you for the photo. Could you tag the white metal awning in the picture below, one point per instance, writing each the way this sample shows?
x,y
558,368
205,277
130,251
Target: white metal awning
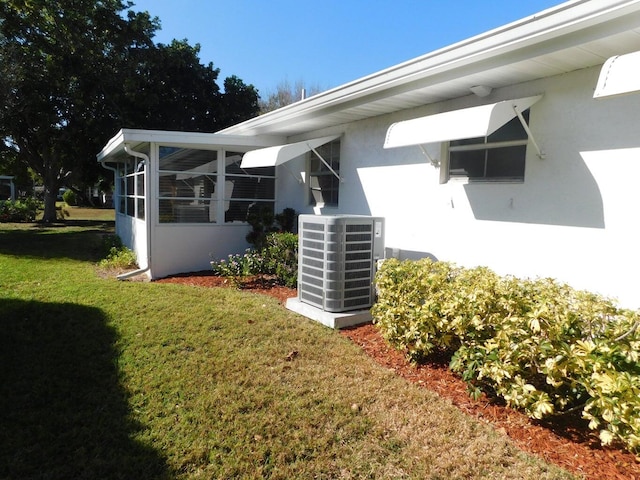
x,y
619,75
271,156
458,124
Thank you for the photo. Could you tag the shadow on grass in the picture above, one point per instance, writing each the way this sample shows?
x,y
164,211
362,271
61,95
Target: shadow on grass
x,y
101,224
51,241
63,412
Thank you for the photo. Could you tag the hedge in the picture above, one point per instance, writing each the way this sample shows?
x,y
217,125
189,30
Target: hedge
x,y
541,345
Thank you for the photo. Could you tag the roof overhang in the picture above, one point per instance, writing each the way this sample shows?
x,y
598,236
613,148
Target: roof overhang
x,y
470,122
574,35
133,138
272,156
619,75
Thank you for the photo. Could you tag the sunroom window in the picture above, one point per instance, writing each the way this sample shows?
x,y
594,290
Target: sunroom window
x,y
187,181
324,183
247,190
200,186
130,198
499,157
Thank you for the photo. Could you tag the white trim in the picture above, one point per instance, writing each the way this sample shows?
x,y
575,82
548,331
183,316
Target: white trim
x,y
135,137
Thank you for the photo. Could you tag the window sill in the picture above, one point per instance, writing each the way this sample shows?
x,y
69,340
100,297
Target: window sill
x,y
476,181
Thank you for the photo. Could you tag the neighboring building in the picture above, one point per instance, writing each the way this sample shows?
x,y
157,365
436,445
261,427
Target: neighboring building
x,y
7,188
492,151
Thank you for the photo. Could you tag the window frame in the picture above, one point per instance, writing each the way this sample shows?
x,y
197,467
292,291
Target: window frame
x,y
486,145
130,199
322,172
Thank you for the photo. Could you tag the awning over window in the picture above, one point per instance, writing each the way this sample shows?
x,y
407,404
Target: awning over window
x,y
270,156
619,75
455,125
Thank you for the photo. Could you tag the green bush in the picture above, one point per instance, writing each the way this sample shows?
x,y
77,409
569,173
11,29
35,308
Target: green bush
x,y
239,265
278,258
281,257
19,210
70,198
116,255
264,222
540,345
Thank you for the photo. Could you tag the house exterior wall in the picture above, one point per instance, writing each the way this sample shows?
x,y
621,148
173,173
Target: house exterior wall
x,y
575,217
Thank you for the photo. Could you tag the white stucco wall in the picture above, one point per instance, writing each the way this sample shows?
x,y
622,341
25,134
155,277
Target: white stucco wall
x,y
133,234
575,217
180,248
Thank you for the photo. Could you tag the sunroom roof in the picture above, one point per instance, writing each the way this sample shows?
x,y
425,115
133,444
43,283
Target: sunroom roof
x,y
134,138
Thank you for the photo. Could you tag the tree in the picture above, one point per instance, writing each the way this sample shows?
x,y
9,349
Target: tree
x,y
74,71
286,94
58,62
168,88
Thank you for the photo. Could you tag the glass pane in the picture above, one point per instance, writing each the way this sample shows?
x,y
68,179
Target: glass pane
x,y
186,185
469,163
121,205
512,130
140,184
186,211
238,210
130,206
121,185
330,152
506,162
467,141
140,208
232,160
188,160
324,189
262,171
250,187
129,185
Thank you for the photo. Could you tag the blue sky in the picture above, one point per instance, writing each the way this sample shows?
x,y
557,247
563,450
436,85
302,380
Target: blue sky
x,y
324,43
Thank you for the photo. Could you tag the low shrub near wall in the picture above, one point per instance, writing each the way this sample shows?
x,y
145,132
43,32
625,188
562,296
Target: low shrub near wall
x,y
19,210
278,257
539,344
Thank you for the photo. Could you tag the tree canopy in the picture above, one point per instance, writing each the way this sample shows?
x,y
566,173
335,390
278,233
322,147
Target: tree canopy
x,y
75,71
285,94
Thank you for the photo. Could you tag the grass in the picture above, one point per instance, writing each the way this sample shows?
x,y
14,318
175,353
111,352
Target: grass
x,y
107,379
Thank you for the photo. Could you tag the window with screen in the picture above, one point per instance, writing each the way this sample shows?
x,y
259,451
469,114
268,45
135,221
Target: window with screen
x,y
324,183
499,157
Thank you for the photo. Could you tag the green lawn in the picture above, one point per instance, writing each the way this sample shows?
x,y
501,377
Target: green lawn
x,y
106,379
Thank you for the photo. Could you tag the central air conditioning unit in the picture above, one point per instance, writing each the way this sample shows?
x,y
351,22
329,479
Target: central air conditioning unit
x,y
337,258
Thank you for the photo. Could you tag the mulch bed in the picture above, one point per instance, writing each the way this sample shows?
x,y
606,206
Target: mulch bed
x,y
567,442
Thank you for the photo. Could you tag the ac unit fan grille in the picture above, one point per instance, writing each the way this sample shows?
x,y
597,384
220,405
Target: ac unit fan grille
x,y
336,261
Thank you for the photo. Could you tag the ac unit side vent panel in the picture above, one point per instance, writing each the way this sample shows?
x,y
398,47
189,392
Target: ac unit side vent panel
x,y
337,260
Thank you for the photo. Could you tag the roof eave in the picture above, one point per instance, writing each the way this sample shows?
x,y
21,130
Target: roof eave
x,y
554,28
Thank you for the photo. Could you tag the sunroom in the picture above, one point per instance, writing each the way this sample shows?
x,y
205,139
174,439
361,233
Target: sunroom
x,y
182,198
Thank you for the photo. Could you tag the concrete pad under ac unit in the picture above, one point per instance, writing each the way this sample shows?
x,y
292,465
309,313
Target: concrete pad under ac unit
x,y
330,319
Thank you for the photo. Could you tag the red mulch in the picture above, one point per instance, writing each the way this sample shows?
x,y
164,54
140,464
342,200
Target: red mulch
x,y
569,444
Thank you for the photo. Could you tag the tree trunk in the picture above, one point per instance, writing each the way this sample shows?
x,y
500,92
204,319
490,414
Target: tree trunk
x,y
50,196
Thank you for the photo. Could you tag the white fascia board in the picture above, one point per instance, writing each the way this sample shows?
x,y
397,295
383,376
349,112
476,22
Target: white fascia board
x,y
133,137
553,26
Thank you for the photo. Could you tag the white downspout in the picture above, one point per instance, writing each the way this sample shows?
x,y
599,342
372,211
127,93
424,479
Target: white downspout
x,y
145,159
